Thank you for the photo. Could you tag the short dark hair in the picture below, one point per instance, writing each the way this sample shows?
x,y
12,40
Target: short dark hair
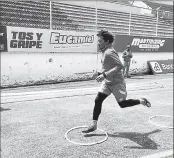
x,y
107,36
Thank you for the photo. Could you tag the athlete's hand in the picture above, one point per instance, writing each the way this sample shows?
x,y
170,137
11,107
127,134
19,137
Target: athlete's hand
x,y
100,78
96,74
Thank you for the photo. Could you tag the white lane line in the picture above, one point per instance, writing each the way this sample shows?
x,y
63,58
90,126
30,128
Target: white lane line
x,y
143,85
163,154
61,91
129,85
46,91
72,93
58,94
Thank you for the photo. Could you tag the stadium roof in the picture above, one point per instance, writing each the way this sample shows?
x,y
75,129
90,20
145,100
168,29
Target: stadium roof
x,y
155,5
164,2
118,1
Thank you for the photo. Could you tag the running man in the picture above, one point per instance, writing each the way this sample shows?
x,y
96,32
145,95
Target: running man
x,y
127,55
113,79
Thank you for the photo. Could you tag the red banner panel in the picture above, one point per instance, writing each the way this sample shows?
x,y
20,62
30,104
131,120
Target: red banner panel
x,y
143,44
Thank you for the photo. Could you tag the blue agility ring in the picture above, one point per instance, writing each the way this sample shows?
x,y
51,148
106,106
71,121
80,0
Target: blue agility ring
x,y
85,144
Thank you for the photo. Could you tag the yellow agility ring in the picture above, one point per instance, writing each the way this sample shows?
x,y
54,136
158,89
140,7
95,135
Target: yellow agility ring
x,y
85,144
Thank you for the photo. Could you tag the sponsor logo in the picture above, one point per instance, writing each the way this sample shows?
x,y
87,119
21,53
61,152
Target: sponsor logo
x,y
161,66
148,43
167,67
26,40
57,38
156,67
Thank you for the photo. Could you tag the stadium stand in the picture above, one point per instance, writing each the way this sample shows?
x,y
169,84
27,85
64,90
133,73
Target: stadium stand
x,y
164,7
165,12
24,14
36,14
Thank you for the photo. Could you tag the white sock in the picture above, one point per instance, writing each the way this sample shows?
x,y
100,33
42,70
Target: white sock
x,y
141,101
95,122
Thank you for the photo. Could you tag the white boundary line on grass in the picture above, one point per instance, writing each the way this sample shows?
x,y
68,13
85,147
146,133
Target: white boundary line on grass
x,y
160,154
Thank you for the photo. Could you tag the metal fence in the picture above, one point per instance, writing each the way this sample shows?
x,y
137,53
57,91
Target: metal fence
x,y
115,17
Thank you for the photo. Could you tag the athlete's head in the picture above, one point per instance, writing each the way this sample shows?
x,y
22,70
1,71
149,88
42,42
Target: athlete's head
x,y
128,47
104,38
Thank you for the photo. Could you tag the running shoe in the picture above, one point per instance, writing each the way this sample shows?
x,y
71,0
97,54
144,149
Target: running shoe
x,y
90,129
146,102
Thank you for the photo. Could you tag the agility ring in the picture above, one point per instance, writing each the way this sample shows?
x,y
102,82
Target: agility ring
x,y
85,144
150,120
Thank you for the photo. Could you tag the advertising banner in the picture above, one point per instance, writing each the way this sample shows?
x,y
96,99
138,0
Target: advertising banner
x,y
143,44
45,40
161,66
3,39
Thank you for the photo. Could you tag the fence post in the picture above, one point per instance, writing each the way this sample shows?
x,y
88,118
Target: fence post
x,y
130,16
157,23
50,15
96,29
96,16
157,17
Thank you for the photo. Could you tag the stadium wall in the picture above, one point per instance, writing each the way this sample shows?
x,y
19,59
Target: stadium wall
x,y
22,69
22,66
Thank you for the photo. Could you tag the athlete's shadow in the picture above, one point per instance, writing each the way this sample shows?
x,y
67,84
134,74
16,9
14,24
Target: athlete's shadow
x,y
141,139
2,109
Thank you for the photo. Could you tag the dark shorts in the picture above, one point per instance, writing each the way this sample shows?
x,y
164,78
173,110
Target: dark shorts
x,y
118,90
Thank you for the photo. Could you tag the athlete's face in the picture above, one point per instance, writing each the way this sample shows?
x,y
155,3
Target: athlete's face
x,y
101,43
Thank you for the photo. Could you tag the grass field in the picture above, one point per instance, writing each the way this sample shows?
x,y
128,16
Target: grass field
x,y
34,120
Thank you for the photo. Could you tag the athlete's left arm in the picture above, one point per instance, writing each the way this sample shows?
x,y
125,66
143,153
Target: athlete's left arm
x,y
114,58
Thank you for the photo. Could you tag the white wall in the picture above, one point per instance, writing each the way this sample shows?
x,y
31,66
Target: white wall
x,y
32,68
39,68
139,61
